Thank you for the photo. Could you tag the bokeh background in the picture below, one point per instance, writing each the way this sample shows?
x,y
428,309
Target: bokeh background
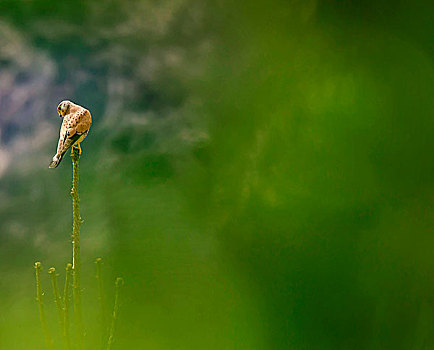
x,y
260,173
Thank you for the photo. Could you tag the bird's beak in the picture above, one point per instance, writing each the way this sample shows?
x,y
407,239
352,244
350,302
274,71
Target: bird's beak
x,y
60,116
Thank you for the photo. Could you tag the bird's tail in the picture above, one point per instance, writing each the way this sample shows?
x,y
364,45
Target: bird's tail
x,y
56,161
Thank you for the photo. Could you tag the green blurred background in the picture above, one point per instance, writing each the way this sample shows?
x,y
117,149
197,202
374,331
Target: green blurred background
x,y
260,174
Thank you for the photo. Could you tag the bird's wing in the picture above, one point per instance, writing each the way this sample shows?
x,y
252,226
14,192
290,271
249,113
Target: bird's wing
x,y
74,125
84,120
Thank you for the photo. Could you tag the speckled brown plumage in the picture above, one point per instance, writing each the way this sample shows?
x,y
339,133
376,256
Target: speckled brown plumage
x,y
75,127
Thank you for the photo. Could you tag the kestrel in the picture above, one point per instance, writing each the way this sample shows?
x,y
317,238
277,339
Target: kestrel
x,y
75,126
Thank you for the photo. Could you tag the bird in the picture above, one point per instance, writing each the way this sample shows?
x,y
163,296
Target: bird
x,y
75,127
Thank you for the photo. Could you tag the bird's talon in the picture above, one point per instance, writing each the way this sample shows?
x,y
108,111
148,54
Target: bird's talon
x,y
78,148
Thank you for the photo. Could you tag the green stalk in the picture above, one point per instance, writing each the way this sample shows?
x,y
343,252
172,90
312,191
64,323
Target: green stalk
x,y
45,330
66,334
57,299
119,283
101,299
76,263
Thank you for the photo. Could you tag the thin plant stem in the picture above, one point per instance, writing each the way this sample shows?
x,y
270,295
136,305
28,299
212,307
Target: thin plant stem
x,y
101,299
57,300
118,284
66,334
45,330
76,263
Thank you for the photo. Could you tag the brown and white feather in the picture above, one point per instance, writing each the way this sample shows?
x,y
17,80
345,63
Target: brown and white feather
x,y
74,129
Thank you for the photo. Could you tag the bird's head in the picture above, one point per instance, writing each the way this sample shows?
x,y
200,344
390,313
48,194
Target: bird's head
x,y
63,108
